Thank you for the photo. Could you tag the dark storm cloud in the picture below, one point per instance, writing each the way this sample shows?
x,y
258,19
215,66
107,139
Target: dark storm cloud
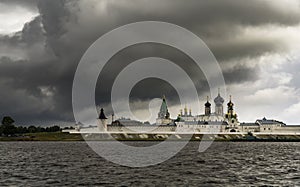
x,y
39,63
240,74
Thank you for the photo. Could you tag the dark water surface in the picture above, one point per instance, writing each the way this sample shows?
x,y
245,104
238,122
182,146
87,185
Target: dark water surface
x,y
223,164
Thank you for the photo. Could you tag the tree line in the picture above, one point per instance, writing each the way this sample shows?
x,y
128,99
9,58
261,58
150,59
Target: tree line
x,y
8,128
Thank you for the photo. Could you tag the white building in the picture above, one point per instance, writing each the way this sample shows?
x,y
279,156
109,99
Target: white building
x,y
268,126
209,122
208,116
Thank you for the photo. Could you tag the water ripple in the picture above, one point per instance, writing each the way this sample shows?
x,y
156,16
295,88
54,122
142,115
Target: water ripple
x,y
223,164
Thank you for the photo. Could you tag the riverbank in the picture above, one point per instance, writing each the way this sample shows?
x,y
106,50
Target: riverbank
x,y
63,136
44,136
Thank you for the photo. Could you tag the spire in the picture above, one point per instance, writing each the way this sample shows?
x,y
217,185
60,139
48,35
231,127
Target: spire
x,y
218,91
163,112
185,111
207,104
230,103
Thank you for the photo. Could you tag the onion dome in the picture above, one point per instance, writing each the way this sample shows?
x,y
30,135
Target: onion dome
x,y
230,104
207,104
219,100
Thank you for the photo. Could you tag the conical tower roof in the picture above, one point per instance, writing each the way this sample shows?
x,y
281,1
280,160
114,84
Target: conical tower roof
x,y
102,115
163,112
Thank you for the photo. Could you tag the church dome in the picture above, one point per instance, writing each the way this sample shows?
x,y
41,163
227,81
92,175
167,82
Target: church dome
x,y
230,104
219,100
207,104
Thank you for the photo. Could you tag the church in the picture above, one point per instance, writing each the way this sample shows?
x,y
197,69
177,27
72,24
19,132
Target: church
x,y
218,121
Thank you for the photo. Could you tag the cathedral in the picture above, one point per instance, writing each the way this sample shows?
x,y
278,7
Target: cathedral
x,y
208,115
202,122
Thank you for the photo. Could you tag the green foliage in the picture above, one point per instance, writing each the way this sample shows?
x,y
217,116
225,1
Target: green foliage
x,y
9,129
69,128
6,121
32,129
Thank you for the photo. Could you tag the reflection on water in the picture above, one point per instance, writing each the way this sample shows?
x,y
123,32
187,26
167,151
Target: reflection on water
x,y
224,163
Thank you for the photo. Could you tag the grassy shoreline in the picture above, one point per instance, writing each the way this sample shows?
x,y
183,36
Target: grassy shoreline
x,y
44,136
61,136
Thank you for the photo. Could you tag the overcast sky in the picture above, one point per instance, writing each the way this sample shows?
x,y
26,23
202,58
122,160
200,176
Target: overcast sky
x,y
256,43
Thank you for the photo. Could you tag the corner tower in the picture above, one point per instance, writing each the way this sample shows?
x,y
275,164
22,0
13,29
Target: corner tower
x,y
102,121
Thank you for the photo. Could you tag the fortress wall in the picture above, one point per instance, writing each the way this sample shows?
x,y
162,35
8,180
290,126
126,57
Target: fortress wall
x,y
142,128
288,129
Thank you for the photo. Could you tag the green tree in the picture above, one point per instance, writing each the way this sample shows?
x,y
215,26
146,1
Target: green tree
x,y
7,120
7,127
32,129
53,129
22,130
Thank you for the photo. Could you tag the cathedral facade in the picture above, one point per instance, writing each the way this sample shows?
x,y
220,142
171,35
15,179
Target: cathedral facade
x,y
210,121
208,116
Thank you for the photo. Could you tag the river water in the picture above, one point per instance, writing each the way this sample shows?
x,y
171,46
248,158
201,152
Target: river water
x,y
223,164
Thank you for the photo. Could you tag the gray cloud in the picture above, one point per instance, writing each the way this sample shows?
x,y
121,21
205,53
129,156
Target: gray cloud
x,y
38,63
28,4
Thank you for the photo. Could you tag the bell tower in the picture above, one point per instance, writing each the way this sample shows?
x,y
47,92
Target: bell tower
x,y
207,107
231,115
163,117
164,112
